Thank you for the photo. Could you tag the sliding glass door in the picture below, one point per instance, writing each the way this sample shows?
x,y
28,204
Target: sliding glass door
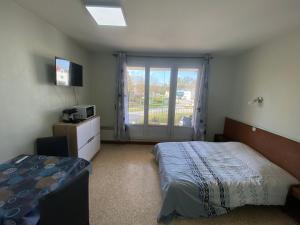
x,y
185,96
136,94
159,94
161,99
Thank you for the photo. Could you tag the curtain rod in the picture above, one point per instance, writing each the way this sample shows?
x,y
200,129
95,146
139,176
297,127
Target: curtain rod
x,y
165,56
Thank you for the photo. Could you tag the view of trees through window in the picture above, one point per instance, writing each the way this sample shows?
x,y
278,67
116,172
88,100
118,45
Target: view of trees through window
x,y
136,94
159,95
159,92
185,96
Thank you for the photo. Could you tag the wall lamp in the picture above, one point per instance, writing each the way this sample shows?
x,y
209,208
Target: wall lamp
x,y
258,100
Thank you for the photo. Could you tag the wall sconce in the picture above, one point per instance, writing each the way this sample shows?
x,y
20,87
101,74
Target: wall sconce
x,y
258,100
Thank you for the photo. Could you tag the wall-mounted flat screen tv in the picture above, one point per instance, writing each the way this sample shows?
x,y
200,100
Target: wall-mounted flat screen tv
x,y
68,73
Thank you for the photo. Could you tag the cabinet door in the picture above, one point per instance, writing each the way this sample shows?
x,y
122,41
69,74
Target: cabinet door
x,y
95,126
84,133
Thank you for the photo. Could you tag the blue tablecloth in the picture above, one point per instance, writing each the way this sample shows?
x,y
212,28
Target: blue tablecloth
x,y
23,183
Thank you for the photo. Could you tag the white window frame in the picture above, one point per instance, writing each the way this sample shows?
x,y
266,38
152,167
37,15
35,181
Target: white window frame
x,y
170,131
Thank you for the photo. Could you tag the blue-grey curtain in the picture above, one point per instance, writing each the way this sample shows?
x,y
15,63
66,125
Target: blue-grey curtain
x,y
200,115
121,99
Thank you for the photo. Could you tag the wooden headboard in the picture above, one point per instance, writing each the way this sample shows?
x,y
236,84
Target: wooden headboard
x,y
281,151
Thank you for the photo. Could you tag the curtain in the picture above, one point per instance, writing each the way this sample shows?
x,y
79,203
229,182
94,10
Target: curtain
x,y
200,116
121,99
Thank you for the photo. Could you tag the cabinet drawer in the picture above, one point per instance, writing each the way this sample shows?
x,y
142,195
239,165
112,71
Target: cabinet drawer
x,y
84,133
96,144
84,152
95,124
88,151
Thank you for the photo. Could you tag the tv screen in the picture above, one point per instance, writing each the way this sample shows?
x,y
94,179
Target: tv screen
x,y
68,73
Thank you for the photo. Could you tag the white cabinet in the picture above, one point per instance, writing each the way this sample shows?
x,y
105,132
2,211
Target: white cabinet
x,y
84,133
95,123
89,150
84,137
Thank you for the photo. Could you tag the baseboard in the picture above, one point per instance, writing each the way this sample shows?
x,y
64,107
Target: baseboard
x,y
130,142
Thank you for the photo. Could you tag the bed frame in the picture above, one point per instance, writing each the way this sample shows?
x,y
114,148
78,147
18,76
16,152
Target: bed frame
x,y
280,150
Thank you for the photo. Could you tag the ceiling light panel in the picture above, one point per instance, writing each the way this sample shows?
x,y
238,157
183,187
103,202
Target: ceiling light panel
x,y
107,16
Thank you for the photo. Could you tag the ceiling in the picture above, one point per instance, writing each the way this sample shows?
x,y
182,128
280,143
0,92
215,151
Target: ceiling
x,y
174,26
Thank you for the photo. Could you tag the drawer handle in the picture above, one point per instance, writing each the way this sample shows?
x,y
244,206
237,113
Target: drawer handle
x,y
92,138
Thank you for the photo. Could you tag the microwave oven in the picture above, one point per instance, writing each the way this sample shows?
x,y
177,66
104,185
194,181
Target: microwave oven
x,y
85,111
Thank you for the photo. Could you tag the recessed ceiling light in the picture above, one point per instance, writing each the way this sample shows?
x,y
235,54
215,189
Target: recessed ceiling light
x,y
107,16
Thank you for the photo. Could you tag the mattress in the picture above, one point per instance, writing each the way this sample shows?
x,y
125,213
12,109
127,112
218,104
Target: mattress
x,y
209,179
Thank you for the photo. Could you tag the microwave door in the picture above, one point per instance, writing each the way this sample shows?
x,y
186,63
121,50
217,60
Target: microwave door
x,y
90,112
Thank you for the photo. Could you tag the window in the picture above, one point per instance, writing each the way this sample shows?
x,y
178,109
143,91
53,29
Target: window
x,y
136,94
159,93
185,96
162,95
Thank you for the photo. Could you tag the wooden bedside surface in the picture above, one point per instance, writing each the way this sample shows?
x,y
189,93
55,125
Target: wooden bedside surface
x,y
220,138
295,191
292,206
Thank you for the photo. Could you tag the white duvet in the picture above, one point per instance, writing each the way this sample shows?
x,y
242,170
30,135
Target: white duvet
x,y
275,179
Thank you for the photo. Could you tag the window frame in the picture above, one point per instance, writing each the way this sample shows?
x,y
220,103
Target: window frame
x,y
161,62
144,94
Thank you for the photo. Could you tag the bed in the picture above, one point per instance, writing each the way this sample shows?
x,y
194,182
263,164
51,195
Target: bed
x,y
206,179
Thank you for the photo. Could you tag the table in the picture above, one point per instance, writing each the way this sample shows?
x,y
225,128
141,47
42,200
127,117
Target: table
x,y
22,183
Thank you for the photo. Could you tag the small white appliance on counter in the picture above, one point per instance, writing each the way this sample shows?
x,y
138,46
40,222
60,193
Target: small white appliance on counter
x,y
85,111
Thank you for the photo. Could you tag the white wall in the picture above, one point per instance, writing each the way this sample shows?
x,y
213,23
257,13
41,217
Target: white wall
x,y
104,81
272,71
103,88
30,103
219,94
